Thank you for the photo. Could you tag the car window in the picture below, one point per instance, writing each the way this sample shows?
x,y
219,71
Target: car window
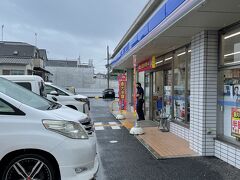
x,y
5,108
42,89
58,90
65,91
23,95
26,85
61,92
49,89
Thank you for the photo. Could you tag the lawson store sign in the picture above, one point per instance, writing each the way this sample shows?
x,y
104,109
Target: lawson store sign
x,y
146,65
160,15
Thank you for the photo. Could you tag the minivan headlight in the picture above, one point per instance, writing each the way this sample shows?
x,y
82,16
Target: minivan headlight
x,y
67,128
81,99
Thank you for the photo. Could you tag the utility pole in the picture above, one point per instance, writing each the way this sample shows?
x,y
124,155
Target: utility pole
x,y
108,76
79,61
2,31
36,39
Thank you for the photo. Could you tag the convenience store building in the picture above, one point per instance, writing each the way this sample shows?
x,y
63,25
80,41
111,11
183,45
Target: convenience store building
x,y
188,58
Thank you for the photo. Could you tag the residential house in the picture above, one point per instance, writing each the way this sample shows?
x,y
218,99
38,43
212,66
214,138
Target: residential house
x,y
19,58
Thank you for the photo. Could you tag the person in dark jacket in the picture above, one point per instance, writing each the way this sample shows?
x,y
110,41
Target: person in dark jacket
x,y
140,101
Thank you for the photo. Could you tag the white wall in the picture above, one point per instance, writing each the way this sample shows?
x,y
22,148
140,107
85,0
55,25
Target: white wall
x,y
81,78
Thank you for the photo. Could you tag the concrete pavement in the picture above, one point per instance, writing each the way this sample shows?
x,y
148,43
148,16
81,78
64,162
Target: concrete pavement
x,y
123,157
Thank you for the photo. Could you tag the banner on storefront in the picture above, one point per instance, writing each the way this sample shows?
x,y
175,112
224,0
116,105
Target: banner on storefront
x,y
148,64
236,122
122,82
134,84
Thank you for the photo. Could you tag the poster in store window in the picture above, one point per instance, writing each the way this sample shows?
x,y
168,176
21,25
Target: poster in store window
x,y
179,109
236,122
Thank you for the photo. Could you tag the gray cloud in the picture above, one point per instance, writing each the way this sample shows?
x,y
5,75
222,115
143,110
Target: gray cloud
x,y
68,28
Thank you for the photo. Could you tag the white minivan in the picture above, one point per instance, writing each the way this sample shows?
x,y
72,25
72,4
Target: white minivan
x,y
31,82
40,139
53,93
66,97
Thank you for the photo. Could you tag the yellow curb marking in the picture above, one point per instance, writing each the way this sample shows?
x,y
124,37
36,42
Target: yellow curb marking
x,y
127,124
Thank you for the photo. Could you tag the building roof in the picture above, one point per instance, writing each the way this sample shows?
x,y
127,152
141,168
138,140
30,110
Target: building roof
x,y
17,49
177,22
61,63
10,60
150,7
41,70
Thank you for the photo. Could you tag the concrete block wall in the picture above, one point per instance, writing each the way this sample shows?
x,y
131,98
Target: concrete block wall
x,y
227,153
179,131
203,88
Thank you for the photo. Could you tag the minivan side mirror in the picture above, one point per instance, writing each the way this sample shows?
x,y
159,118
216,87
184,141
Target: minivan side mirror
x,y
54,93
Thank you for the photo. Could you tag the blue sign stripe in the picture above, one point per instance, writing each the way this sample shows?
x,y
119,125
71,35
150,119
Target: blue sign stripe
x,y
157,18
134,41
228,103
179,98
169,7
144,31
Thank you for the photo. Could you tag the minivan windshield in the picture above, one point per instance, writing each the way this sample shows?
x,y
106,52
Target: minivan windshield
x,y
64,90
25,96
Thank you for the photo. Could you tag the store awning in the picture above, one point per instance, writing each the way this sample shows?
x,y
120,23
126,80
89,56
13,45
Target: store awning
x,y
179,28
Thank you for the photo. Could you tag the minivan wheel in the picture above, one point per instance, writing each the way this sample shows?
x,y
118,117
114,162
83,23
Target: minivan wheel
x,y
29,167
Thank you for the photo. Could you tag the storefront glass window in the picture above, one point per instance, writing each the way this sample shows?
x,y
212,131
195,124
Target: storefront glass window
x,y
231,47
229,94
147,95
141,78
179,85
167,91
231,103
157,92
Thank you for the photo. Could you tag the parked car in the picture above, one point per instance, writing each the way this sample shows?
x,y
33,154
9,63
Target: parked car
x,y
67,98
41,139
71,89
36,84
108,93
31,82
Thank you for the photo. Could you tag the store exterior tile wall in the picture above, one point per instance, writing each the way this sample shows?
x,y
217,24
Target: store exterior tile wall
x,y
227,153
179,131
203,99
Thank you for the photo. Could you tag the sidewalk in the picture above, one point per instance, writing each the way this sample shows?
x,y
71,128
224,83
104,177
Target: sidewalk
x,y
161,144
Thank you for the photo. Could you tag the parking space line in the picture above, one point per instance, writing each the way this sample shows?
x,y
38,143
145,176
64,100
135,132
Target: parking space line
x,y
115,127
112,123
99,128
100,125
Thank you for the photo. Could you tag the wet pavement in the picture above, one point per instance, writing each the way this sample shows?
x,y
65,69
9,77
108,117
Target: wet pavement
x,y
123,157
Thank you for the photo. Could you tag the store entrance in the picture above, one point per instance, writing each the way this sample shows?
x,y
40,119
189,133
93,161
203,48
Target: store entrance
x,y
167,91
157,98
162,91
147,95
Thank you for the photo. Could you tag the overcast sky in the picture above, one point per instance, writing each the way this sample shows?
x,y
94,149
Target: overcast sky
x,y
69,28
